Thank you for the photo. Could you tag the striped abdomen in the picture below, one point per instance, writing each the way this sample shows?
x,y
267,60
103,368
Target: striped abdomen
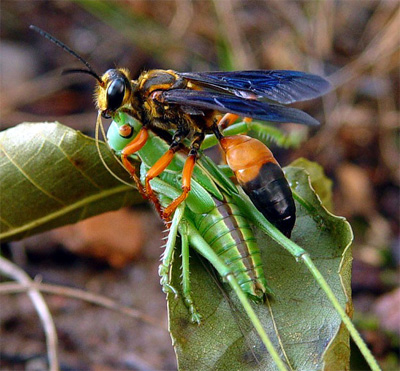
x,y
227,231
262,179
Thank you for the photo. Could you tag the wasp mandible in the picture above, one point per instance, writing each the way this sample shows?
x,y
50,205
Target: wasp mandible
x,y
188,105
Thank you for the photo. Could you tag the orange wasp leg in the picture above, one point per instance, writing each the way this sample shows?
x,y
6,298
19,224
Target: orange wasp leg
x,y
247,120
229,118
186,180
155,171
130,149
186,174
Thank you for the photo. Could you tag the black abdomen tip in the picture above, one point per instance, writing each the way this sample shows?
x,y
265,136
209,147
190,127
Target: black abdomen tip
x,y
272,196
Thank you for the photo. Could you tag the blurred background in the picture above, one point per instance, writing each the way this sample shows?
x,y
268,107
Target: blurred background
x,y
354,43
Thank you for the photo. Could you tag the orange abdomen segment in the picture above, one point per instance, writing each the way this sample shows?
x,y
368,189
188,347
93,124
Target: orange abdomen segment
x,y
245,156
262,179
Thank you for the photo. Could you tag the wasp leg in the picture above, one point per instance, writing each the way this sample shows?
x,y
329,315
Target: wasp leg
x,y
227,120
155,171
130,149
186,175
160,166
186,180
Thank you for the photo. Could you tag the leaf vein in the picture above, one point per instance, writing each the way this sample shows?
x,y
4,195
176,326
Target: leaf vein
x,y
65,210
68,157
26,175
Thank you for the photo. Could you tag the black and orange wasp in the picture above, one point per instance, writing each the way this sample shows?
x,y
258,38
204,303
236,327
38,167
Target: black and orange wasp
x,y
188,105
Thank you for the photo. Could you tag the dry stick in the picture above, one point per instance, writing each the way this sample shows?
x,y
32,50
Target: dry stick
x,y
13,271
101,300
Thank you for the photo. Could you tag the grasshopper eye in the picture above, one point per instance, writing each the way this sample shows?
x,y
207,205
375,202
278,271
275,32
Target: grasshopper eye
x,y
125,131
115,94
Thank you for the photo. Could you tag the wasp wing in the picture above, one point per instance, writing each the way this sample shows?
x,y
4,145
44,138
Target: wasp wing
x,y
233,104
281,86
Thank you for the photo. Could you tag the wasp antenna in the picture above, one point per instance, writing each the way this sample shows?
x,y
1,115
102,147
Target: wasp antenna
x,y
45,34
82,70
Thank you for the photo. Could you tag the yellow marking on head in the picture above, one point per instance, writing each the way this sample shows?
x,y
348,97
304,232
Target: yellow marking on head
x,y
100,97
100,92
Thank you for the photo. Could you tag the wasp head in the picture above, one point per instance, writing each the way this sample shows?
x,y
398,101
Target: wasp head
x,y
113,91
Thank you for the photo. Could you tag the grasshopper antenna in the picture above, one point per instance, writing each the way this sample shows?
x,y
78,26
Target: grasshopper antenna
x,y
99,127
89,71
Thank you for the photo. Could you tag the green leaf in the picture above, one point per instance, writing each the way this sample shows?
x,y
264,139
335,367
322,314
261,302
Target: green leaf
x,y
52,175
319,182
300,320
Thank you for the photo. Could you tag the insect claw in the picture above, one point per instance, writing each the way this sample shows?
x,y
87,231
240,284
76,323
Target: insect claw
x,y
195,317
166,216
168,289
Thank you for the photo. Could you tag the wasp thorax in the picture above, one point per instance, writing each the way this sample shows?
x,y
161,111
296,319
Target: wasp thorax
x,y
114,91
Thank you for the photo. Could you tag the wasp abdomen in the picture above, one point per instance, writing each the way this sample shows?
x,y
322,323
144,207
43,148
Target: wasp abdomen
x,y
262,179
272,196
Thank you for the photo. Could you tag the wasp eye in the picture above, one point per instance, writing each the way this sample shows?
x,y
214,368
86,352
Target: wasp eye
x,y
115,94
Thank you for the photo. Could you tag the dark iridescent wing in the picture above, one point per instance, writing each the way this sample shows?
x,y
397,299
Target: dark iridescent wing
x,y
277,85
233,104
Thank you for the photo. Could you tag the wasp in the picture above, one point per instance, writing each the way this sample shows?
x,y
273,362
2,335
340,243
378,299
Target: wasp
x,y
181,106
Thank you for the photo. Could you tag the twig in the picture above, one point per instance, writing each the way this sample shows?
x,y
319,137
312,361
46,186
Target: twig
x,y
13,271
101,300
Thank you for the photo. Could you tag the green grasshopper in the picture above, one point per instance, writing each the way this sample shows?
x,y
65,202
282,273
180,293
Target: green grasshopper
x,y
213,204
210,209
